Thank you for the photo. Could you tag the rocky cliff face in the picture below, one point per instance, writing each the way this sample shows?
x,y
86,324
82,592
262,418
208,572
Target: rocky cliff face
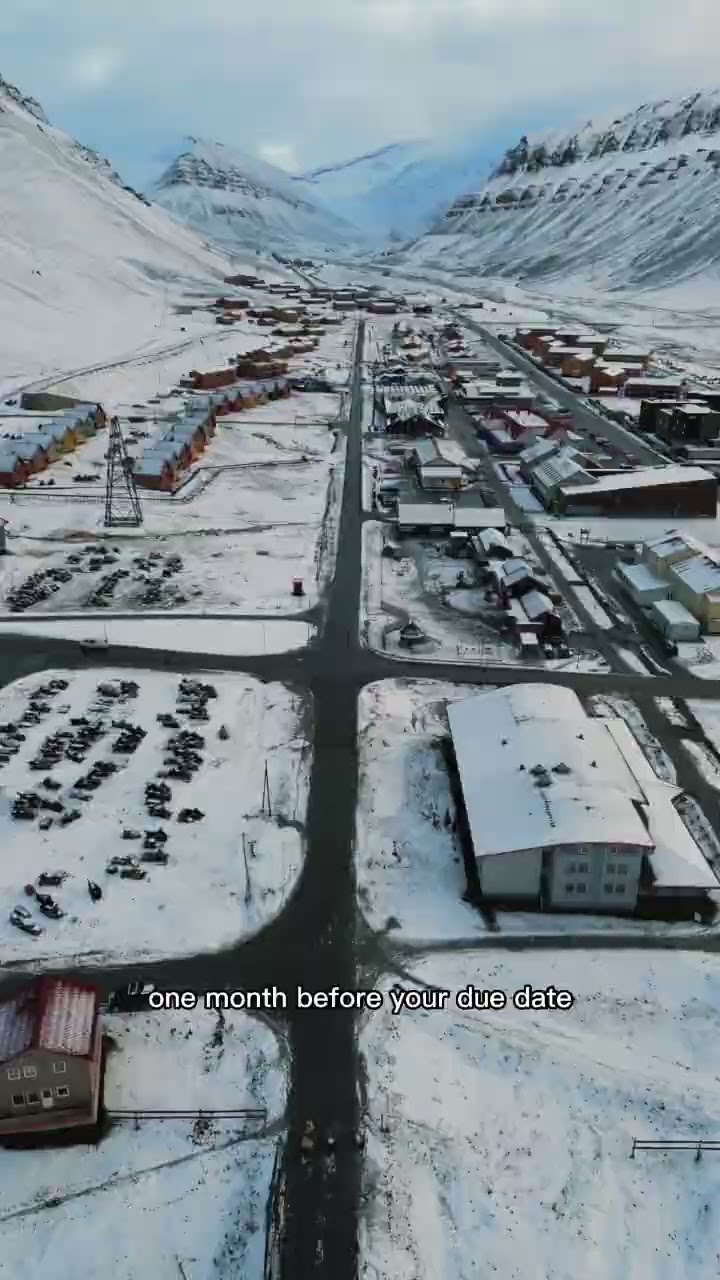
x,y
31,105
239,199
632,201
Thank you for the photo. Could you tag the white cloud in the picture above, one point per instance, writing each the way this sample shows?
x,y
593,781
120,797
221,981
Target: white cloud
x,y
343,76
93,68
281,154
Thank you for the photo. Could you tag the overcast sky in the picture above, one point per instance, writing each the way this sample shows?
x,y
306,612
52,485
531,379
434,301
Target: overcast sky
x,y
306,82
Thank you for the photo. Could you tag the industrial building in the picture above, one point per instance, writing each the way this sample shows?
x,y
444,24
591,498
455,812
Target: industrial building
x,y
677,578
642,584
563,810
673,490
674,621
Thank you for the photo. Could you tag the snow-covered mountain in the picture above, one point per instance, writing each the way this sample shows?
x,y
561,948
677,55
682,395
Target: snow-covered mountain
x,y
396,191
631,201
240,200
88,270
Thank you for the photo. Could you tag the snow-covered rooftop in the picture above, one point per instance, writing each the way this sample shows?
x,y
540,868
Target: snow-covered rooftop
x,y
640,578
52,1014
425,513
500,737
536,605
700,573
426,451
469,517
647,478
441,470
673,611
526,418
490,538
538,450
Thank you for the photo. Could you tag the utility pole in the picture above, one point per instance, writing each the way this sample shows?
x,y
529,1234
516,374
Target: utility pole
x,y
266,793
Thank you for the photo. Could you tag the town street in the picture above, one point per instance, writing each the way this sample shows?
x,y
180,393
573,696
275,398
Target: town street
x,y
320,940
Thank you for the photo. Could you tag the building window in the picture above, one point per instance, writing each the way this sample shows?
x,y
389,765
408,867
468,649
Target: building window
x,y
30,1073
620,888
18,1099
610,868
13,1073
33,1099
60,1067
582,888
583,868
62,1091
47,1093
569,888
571,868
622,869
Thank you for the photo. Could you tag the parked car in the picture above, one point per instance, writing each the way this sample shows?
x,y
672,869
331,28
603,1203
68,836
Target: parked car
x,y
136,995
21,918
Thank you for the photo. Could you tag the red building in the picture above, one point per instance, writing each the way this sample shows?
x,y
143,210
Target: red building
x,y
50,1058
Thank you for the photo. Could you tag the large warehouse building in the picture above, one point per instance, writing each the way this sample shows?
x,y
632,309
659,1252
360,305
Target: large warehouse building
x,y
673,490
563,809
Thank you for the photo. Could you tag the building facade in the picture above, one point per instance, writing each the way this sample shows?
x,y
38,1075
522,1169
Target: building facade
x,y
50,1057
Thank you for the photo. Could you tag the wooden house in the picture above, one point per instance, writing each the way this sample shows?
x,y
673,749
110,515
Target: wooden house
x,y
50,1057
14,471
604,378
32,450
156,469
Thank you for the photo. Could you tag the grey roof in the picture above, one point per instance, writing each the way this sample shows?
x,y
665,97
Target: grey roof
x,y
426,452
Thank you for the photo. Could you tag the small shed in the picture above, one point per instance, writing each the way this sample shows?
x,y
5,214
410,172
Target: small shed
x,y
494,543
674,620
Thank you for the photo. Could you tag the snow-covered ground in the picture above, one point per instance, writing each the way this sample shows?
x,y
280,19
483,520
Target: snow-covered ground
x,y
499,1141
702,658
226,637
451,617
168,1199
707,713
209,894
409,862
591,606
243,533
633,661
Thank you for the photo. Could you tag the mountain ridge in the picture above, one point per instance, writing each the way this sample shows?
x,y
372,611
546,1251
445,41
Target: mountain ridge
x,y
629,201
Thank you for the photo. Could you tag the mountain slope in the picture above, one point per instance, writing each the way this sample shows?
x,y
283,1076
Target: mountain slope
x,y
87,268
632,201
397,190
240,200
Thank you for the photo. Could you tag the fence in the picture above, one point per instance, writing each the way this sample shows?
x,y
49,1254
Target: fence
x,y
698,1145
257,1115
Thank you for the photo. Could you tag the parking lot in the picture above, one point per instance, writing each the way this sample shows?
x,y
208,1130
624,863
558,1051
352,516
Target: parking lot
x,y
136,815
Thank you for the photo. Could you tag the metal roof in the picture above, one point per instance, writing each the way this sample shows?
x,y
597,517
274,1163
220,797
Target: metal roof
x,y
51,1014
648,478
501,737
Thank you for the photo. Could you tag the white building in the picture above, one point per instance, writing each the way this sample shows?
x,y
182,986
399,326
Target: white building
x,y
642,584
674,620
563,809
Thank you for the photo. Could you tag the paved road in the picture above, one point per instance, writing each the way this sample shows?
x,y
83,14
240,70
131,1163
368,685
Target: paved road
x,y
583,417
316,940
